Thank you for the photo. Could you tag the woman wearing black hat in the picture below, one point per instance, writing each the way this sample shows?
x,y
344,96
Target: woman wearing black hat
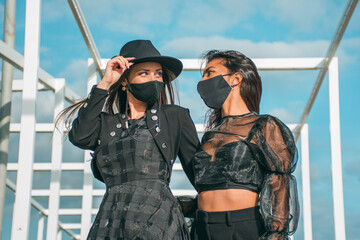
x,y
243,168
136,137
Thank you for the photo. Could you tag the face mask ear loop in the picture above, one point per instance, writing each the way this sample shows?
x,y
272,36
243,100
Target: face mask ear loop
x,y
126,112
159,109
234,85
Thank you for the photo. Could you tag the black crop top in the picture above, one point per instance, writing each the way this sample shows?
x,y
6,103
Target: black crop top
x,y
257,153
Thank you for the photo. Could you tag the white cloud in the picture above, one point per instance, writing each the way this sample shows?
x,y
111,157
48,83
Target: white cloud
x,y
192,47
45,104
349,51
46,64
44,50
352,167
17,74
1,14
75,74
284,115
132,17
352,223
201,17
305,16
54,10
109,47
322,218
352,44
354,25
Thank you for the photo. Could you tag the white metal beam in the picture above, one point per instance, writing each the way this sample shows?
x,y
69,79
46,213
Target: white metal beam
x,y
39,127
56,159
18,86
85,31
335,143
305,177
88,176
41,223
17,60
40,208
328,58
266,64
21,216
47,166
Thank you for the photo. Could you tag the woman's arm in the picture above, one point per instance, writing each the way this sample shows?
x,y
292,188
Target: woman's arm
x,y
189,143
278,197
85,128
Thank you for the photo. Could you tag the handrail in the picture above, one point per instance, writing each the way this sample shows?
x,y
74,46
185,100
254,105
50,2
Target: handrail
x,y
17,60
37,206
329,56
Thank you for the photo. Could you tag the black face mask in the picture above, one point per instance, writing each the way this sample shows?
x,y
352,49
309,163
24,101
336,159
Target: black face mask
x,y
148,92
214,91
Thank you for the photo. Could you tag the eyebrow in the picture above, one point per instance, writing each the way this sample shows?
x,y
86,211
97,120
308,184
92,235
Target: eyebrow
x,y
147,70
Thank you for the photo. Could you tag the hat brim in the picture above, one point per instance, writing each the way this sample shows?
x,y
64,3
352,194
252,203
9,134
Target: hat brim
x,y
173,64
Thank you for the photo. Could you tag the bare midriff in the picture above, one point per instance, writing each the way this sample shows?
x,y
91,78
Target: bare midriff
x,y
227,200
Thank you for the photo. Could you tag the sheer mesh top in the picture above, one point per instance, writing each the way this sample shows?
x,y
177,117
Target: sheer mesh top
x,y
258,153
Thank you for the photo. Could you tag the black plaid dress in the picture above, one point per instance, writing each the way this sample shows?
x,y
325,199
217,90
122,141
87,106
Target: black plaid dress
x,y
138,203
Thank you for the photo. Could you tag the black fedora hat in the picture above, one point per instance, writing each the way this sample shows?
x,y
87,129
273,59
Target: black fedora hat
x,y
144,51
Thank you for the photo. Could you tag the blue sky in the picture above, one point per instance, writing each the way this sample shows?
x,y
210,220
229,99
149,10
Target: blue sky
x,y
185,29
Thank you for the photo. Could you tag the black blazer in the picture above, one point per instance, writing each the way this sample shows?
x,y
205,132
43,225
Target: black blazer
x,y
175,136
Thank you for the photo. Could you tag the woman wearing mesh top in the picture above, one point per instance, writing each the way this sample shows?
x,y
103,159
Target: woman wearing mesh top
x,y
243,168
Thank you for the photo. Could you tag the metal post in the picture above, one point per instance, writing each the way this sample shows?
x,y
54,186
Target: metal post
x,y
88,177
5,105
85,31
40,233
335,143
17,60
329,55
56,159
21,215
305,176
59,235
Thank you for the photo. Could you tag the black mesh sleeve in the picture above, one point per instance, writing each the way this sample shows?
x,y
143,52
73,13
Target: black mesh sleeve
x,y
279,204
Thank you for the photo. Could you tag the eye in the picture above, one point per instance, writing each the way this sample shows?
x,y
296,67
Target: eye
x,y
143,74
159,74
208,73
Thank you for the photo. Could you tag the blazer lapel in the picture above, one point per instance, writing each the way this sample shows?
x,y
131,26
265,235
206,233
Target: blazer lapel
x,y
156,124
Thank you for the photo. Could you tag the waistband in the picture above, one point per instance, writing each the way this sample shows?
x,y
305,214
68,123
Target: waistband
x,y
138,182
227,185
228,216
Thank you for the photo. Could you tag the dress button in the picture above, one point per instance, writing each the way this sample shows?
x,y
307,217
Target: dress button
x,y
112,133
154,118
157,129
123,116
99,142
118,125
153,111
172,161
163,145
85,105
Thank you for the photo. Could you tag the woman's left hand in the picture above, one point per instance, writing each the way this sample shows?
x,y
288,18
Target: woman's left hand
x,y
114,69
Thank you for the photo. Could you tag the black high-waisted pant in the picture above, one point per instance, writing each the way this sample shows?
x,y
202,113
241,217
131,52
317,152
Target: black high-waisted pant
x,y
244,224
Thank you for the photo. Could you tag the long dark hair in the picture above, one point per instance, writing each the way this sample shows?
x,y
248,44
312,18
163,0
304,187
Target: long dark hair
x,y
118,96
250,87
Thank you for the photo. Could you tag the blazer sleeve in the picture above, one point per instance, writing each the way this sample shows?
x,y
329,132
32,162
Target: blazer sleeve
x,y
85,128
189,142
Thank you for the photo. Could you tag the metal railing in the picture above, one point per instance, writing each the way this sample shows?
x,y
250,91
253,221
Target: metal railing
x,y
87,193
